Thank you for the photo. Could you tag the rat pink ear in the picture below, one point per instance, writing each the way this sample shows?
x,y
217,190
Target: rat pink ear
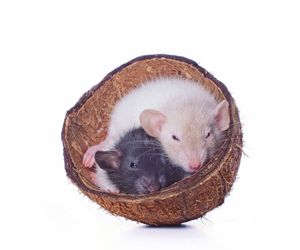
x,y
108,160
221,114
152,121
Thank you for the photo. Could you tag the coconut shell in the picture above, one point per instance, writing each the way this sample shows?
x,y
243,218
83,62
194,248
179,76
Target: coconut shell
x,y
87,122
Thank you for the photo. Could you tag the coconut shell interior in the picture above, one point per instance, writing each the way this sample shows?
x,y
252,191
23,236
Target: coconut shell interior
x,y
86,124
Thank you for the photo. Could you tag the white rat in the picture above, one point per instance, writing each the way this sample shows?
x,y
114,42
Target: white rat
x,y
181,114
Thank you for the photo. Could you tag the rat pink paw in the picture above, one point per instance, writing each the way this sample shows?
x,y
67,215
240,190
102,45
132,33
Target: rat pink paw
x,y
111,190
93,177
89,156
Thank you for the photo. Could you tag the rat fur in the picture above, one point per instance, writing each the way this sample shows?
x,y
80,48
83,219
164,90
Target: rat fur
x,y
180,113
137,165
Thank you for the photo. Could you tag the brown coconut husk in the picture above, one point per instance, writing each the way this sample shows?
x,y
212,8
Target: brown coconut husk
x,y
86,124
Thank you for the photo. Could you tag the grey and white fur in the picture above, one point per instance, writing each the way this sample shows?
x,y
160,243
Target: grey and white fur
x,y
137,165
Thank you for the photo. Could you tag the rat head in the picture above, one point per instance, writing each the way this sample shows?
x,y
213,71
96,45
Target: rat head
x,y
138,164
189,133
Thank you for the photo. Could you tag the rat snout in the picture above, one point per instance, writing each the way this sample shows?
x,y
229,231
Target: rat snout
x,y
194,165
146,185
196,160
193,161
153,187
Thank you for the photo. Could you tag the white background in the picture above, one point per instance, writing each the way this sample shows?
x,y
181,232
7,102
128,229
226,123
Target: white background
x,y
53,51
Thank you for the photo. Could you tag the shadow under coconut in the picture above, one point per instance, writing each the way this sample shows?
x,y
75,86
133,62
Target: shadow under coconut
x,y
182,230
179,226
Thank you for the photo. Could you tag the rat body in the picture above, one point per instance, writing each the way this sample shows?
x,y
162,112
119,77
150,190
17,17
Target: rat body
x,y
136,165
181,114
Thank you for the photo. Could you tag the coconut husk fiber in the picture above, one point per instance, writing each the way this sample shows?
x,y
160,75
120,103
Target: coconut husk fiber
x,y
87,122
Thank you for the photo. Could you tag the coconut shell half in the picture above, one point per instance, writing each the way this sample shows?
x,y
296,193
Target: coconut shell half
x,y
87,122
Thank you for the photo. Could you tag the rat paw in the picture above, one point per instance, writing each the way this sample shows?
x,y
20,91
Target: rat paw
x,y
112,190
93,178
89,156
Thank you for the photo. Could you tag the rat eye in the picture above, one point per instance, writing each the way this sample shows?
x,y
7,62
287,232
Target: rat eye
x,y
207,135
174,137
133,165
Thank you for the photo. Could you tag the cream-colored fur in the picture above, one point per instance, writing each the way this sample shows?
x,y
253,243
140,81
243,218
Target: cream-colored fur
x,y
189,109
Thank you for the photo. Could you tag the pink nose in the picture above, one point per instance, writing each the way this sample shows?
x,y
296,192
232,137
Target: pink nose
x,y
194,165
153,188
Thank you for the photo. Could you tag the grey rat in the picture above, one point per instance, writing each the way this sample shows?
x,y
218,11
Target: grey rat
x,y
138,165
182,114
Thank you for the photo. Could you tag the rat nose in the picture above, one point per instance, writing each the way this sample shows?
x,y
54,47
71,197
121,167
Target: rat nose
x,y
147,185
194,165
153,188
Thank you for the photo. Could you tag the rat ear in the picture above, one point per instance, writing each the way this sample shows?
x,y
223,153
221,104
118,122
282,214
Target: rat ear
x,y
151,121
221,115
108,160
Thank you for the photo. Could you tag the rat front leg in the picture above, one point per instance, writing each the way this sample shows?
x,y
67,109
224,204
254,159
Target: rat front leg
x,y
89,156
100,179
